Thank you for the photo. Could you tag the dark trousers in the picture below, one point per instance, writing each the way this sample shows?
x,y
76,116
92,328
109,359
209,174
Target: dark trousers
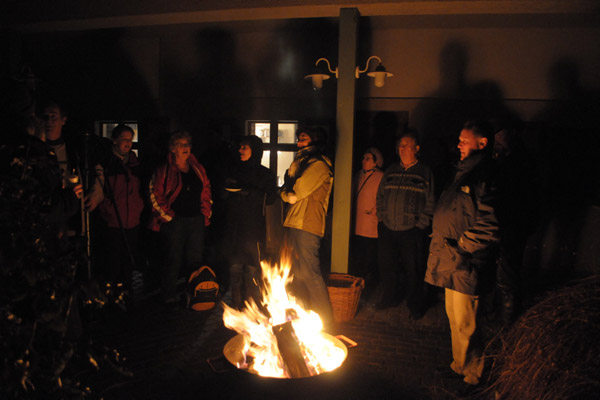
x,y
183,240
508,274
364,257
244,284
116,254
308,283
401,267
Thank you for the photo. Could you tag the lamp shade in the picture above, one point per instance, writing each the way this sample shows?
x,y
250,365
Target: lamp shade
x,y
380,74
317,79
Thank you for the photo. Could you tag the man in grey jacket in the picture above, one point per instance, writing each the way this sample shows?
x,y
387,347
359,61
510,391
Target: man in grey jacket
x,y
465,230
404,208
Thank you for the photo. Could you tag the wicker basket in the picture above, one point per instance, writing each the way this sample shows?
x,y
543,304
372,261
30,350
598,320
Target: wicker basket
x,y
344,293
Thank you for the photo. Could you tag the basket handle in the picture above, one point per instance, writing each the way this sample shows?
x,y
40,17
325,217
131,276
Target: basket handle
x,y
359,281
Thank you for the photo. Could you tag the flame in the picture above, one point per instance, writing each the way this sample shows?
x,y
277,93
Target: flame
x,y
260,344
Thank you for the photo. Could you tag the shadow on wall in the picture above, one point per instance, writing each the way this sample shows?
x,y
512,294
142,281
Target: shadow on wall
x,y
440,116
380,130
296,45
563,143
567,148
198,99
91,74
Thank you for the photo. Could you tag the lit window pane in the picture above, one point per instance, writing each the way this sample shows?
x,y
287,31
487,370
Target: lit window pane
x,y
286,132
107,127
284,159
262,130
265,160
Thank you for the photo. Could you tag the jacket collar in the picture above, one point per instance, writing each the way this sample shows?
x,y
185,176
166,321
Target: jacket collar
x,y
474,158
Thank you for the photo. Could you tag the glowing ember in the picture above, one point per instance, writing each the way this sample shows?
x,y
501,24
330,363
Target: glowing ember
x,y
259,344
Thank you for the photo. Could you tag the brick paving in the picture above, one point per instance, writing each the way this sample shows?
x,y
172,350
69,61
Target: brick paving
x,y
167,349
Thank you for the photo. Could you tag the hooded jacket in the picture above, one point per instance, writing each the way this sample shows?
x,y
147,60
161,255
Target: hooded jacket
x,y
465,228
249,188
165,185
310,178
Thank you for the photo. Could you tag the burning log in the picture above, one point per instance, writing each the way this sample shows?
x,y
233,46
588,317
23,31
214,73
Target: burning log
x,y
267,345
289,348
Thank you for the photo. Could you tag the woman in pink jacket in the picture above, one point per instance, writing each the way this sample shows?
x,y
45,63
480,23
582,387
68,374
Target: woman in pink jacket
x,y
366,183
181,202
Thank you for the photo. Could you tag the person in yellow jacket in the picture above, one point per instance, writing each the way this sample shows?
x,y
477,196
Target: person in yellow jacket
x,y
307,188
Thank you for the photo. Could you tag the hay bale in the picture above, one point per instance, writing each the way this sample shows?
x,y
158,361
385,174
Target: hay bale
x,y
553,350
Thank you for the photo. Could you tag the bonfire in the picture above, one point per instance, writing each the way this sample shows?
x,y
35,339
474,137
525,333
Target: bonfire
x,y
278,337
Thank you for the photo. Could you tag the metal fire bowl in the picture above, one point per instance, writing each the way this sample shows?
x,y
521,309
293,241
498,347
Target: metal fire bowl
x,y
233,350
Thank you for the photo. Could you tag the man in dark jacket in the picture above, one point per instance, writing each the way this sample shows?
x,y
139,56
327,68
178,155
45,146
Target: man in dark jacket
x,y
120,208
465,230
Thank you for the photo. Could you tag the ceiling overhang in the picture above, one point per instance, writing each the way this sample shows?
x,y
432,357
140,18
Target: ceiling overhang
x,y
186,12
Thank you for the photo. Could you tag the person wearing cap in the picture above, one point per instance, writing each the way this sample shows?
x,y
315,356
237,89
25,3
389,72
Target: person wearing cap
x,y
249,188
364,249
307,188
405,202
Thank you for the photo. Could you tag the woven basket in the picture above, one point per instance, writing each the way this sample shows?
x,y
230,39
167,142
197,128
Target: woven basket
x,y
344,293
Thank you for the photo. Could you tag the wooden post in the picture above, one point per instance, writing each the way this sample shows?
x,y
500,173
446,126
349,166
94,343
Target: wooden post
x,y
342,181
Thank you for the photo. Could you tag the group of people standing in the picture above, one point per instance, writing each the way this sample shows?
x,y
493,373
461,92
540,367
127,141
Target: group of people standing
x,y
397,218
467,231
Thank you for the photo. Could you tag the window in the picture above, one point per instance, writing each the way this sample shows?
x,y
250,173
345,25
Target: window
x,y
279,138
104,129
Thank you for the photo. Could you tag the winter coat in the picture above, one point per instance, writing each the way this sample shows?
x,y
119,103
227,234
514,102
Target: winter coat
x,y
365,189
249,188
312,178
465,229
121,182
405,198
165,185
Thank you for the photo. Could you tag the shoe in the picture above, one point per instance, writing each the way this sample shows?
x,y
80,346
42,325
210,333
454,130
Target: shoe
x,y
465,389
172,300
448,374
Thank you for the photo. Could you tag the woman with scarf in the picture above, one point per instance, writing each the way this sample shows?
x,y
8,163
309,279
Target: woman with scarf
x,y
307,187
364,249
249,188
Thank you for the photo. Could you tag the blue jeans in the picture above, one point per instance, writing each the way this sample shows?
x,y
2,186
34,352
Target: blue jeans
x,y
183,240
308,283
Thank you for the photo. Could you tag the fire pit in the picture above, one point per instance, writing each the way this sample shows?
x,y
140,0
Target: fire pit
x,y
279,338
234,350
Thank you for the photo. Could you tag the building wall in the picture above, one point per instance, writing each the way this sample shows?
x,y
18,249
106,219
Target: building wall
x,y
210,78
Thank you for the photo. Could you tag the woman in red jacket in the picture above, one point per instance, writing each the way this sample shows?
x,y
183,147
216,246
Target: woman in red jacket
x,y
181,202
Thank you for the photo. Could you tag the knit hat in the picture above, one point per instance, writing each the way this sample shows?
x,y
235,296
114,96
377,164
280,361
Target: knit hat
x,y
377,156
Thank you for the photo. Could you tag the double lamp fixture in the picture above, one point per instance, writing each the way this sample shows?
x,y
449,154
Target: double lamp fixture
x,y
317,77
